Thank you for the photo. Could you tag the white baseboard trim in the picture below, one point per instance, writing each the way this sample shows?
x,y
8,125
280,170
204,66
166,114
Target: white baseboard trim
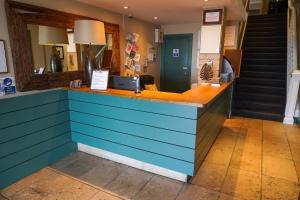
x,y
133,163
288,120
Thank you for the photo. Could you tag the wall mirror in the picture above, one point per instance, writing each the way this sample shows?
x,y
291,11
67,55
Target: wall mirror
x,y
37,33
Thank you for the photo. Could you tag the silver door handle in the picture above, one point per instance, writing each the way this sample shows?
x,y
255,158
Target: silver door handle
x,y
185,68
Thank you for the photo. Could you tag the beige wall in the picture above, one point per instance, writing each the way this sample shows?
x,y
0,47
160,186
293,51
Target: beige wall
x,y
145,29
193,28
4,36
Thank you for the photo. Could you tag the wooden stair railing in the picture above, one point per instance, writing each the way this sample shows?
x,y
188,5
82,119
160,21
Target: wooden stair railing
x,y
243,26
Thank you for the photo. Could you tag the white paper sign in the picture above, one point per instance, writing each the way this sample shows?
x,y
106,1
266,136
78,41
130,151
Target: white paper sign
x,y
99,80
3,64
175,53
212,17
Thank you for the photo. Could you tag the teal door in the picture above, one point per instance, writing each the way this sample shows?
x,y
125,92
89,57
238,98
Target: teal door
x,y
176,63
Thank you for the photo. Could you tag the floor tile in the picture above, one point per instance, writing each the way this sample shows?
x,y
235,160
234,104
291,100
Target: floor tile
x,y
234,122
253,123
297,165
255,134
76,190
234,131
39,175
275,149
273,126
129,182
68,160
105,196
242,183
295,150
55,185
291,128
160,188
293,138
250,145
246,161
279,168
275,136
193,192
81,165
225,141
229,197
219,156
210,176
103,173
49,188
278,189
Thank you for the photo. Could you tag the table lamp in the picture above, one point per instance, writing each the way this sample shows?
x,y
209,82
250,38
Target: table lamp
x,y
53,36
89,32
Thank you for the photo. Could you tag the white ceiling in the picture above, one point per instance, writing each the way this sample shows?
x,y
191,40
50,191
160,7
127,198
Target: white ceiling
x,y
169,11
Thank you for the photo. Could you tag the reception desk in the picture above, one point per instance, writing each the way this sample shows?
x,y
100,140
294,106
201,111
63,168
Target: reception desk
x,y
165,133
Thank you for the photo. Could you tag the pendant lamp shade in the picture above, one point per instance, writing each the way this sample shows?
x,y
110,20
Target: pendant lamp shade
x,y
52,36
89,32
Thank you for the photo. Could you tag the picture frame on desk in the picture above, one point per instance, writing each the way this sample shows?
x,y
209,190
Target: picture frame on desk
x,y
3,57
212,17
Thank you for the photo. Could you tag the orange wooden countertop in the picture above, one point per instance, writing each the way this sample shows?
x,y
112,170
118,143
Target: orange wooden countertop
x,y
199,96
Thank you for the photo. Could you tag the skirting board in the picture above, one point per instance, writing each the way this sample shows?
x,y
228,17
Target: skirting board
x,y
133,163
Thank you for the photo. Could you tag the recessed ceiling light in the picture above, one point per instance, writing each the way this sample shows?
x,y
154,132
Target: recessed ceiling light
x,y
206,0
125,7
155,18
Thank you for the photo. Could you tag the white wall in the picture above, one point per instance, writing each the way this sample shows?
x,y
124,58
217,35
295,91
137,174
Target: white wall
x,y
4,36
145,29
195,29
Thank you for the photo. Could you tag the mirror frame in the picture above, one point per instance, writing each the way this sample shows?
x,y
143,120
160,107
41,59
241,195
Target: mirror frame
x,y
18,16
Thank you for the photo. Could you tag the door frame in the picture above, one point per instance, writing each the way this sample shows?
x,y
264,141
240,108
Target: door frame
x,y
162,53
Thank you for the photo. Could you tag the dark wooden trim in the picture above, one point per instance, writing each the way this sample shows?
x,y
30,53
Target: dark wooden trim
x,y
209,11
18,16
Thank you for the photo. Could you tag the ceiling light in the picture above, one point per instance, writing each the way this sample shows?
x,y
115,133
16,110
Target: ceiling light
x,y
155,18
125,7
206,0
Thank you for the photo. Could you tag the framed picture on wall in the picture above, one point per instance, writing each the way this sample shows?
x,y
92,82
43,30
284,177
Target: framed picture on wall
x,y
211,17
60,50
3,58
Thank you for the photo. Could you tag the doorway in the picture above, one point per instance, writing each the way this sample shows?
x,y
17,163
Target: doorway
x,y
176,63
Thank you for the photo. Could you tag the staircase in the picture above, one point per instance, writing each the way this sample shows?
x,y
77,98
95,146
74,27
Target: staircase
x,y
260,92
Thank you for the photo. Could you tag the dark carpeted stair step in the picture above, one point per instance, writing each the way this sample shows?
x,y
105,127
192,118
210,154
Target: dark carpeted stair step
x,y
274,23
259,97
271,17
270,90
264,49
280,43
263,74
260,106
253,55
263,61
273,38
265,33
265,29
261,82
258,115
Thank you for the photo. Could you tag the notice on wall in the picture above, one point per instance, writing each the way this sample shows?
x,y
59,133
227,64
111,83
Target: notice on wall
x,y
175,53
230,35
99,80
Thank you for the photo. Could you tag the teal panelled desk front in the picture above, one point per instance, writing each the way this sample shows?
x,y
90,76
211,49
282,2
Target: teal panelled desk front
x,y
163,129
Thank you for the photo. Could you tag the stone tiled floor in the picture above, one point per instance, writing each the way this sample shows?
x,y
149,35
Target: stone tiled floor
x,y
250,160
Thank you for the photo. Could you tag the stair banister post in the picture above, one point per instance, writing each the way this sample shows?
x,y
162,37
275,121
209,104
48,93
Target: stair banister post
x,y
292,98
